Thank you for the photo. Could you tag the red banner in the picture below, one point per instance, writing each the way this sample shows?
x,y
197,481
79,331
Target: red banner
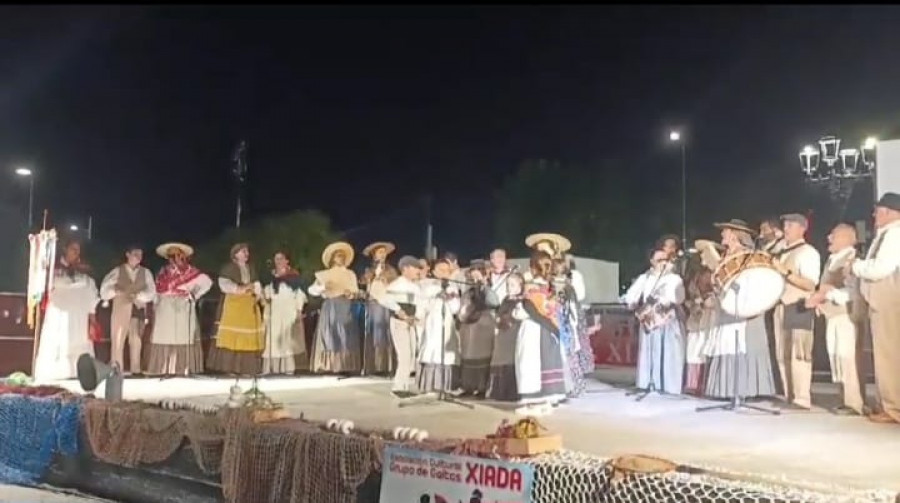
x,y
613,330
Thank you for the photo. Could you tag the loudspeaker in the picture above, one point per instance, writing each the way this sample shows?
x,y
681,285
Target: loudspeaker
x,y
92,372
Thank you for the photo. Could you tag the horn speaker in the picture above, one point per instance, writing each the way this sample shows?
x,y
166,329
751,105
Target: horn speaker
x,y
92,372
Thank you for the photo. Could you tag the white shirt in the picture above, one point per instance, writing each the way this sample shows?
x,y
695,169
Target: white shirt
x,y
108,285
840,296
404,291
884,261
668,289
807,261
498,284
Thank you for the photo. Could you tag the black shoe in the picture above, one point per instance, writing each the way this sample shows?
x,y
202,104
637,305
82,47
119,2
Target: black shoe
x,y
402,394
843,410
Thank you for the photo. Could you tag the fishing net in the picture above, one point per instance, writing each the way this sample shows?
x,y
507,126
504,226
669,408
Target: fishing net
x,y
134,433
293,462
32,432
573,477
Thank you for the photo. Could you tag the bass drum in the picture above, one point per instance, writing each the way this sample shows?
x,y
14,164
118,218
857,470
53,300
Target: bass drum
x,y
748,284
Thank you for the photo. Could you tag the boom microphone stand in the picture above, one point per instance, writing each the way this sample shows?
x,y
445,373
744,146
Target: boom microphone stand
x,y
442,397
737,402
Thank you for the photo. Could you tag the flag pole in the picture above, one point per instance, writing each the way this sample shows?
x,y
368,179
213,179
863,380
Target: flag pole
x,y
38,312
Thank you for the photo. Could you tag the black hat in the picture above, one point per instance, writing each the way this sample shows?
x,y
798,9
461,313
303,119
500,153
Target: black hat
x,y
889,200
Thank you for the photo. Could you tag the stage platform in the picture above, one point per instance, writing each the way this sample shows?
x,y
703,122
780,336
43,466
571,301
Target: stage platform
x,y
815,449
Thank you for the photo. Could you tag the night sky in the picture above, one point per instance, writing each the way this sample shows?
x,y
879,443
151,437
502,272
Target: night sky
x,y
131,114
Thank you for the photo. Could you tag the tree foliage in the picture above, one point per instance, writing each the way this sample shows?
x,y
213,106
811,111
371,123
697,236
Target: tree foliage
x,y
303,234
610,214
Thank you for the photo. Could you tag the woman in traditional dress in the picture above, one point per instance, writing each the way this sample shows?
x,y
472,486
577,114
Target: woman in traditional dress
x,y
503,362
738,341
657,296
336,347
476,332
71,304
439,343
285,344
175,340
586,351
569,307
701,305
240,333
540,375
379,352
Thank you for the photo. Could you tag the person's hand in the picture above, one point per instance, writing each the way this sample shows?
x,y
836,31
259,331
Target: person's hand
x,y
402,315
825,288
780,267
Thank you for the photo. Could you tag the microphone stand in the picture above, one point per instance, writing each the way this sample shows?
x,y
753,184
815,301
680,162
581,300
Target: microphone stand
x,y
365,330
737,402
442,396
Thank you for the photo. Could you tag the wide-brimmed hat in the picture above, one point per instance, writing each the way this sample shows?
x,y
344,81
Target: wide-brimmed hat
x,y
238,247
735,224
388,247
561,243
339,246
164,250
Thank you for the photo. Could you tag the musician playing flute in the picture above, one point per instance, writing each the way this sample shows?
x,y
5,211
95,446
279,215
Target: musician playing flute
x,y
737,340
379,354
439,345
657,296
336,346
477,327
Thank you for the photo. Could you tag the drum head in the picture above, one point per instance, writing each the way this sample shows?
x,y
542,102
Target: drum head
x,y
752,292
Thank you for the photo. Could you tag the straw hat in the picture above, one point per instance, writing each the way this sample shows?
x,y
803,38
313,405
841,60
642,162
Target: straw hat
x,y
735,224
561,243
164,249
369,250
339,246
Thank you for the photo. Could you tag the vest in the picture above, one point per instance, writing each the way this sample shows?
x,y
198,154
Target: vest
x,y
129,287
884,293
792,294
834,275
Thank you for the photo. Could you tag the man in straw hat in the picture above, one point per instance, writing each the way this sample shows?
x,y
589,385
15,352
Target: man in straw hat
x,y
175,341
793,322
336,346
404,300
379,354
879,275
734,340
130,288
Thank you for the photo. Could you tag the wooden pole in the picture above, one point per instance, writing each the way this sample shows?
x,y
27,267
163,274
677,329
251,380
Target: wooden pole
x,y
38,318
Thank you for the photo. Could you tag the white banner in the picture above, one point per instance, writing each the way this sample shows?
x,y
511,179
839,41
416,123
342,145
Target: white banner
x,y
887,167
410,475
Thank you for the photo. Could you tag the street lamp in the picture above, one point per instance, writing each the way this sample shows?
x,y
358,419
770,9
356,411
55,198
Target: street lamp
x,y
27,173
675,136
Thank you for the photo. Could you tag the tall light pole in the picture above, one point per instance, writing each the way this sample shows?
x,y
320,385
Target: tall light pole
x,y
675,137
27,173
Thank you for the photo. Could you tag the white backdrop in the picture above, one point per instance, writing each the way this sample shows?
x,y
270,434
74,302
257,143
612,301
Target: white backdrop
x,y
887,167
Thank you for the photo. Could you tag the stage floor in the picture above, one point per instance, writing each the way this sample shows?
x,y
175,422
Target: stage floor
x,y
813,448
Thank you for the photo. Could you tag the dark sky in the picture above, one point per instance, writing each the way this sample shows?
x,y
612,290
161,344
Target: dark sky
x,y
131,114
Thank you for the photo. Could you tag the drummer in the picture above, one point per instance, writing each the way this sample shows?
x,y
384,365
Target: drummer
x,y
800,263
737,340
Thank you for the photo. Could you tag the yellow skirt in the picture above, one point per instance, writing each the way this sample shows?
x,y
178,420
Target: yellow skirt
x,y
241,325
